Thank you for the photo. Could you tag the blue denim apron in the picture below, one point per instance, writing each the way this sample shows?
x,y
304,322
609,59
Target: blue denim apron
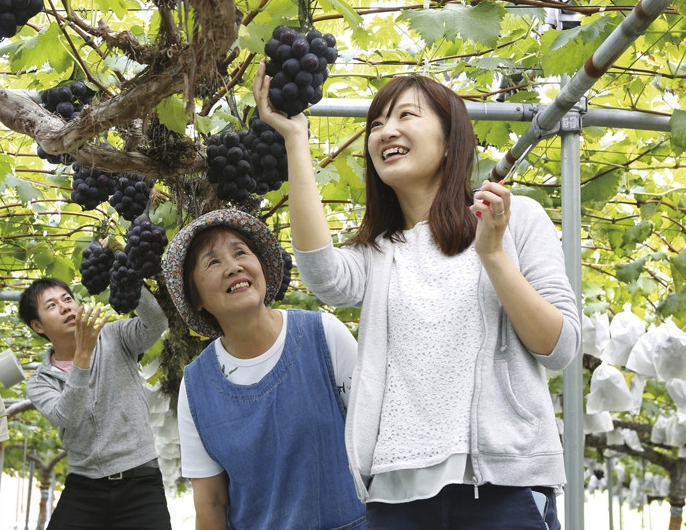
x,y
280,440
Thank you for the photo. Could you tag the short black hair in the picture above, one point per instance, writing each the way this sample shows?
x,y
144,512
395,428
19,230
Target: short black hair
x,y
28,302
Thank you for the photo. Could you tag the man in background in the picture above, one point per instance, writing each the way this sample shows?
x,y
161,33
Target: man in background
x,y
89,386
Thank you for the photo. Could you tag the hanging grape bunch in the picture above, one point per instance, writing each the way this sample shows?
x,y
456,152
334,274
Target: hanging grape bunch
x,y
286,280
15,13
125,285
95,267
66,101
131,196
267,150
252,161
91,186
230,170
297,64
145,244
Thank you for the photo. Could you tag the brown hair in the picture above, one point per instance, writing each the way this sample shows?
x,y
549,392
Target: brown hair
x,y
452,224
200,241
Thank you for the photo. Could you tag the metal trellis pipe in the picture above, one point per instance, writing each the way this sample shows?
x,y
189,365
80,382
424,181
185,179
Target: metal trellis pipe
x,y
572,376
636,23
616,118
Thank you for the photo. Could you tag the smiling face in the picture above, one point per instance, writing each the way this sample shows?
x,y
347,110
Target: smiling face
x,y
56,310
407,145
226,277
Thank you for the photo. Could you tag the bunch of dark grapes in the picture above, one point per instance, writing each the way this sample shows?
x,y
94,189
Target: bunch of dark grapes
x,y
15,13
91,186
125,285
66,101
53,159
230,171
298,65
145,244
131,197
252,161
267,150
95,267
286,280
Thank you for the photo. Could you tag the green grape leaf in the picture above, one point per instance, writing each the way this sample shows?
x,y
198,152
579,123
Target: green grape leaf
x,y
678,125
44,46
427,22
673,304
479,24
26,191
61,267
637,234
115,6
565,52
630,272
678,263
342,8
601,189
496,133
172,114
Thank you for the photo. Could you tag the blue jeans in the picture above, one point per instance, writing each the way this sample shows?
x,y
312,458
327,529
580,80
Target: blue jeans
x,y
100,504
455,508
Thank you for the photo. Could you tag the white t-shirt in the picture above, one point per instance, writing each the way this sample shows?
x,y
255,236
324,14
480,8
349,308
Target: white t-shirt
x,y
195,462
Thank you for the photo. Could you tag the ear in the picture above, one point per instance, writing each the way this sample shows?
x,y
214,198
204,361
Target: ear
x,y
37,326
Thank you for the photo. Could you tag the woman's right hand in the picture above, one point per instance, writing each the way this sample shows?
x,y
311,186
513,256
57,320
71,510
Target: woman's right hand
x,y
309,227
283,124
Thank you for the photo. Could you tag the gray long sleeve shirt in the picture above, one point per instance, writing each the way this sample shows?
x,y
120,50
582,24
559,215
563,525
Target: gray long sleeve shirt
x,y
514,436
101,412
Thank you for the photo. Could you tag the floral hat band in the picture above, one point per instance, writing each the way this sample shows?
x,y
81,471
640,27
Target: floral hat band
x,y
262,238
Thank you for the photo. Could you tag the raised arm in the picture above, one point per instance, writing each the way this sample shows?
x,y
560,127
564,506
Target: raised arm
x,y
140,333
309,228
65,407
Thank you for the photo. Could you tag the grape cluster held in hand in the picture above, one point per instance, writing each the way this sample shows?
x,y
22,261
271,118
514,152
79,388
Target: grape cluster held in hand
x,y
125,285
297,66
145,244
141,258
125,271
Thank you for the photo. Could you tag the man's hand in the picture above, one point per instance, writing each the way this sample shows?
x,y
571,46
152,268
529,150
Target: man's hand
x,y
88,326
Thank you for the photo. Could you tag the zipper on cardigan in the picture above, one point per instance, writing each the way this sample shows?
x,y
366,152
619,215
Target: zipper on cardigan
x,y
476,488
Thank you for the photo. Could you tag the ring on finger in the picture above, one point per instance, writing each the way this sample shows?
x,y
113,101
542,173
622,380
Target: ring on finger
x,y
499,213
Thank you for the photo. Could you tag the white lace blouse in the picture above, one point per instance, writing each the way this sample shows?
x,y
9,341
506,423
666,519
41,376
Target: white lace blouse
x,y
434,329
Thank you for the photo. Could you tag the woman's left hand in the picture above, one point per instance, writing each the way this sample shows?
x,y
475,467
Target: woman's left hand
x,y
492,208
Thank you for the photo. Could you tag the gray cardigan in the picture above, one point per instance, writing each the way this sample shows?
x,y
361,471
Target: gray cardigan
x,y
514,436
101,412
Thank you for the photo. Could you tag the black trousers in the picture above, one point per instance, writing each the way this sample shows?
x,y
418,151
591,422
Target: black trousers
x,y
456,508
137,503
